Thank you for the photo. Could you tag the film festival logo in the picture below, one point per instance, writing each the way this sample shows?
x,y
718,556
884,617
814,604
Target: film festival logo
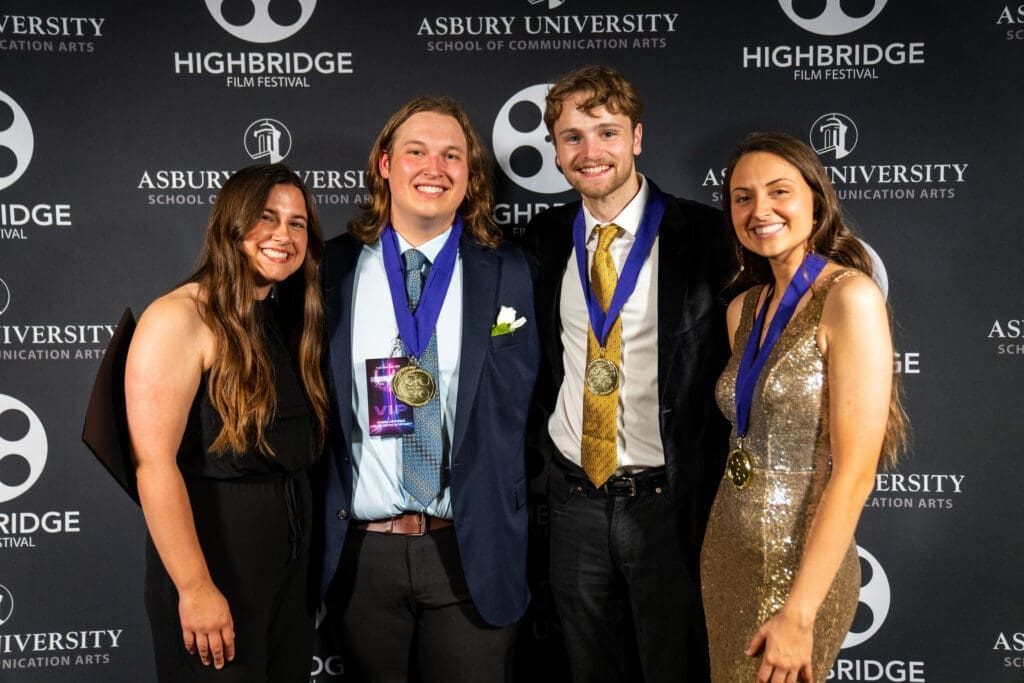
x,y
23,448
522,145
267,140
261,21
5,296
833,20
16,141
876,595
835,134
6,605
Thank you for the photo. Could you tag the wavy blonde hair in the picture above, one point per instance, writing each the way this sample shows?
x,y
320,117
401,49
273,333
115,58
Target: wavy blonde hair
x,y
476,209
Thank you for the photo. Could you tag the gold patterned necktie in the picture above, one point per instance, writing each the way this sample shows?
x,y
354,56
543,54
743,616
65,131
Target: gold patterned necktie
x,y
600,412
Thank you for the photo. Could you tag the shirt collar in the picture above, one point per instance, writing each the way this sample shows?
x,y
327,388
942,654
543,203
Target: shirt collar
x,y
430,249
630,216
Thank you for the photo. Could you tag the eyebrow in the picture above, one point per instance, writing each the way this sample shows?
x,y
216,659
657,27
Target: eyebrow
x,y
770,182
421,142
294,215
600,126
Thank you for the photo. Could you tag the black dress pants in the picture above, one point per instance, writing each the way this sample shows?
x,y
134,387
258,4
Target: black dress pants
x,y
630,609
401,611
255,535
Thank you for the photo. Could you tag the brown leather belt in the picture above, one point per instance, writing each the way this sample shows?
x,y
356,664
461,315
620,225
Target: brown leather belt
x,y
409,524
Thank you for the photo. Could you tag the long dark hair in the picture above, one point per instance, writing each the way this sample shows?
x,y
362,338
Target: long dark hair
x,y
830,237
241,379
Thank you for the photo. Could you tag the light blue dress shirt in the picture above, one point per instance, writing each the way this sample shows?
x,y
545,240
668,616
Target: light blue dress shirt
x,y
377,491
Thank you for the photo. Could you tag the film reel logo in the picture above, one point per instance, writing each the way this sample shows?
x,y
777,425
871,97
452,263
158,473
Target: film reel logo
x,y
522,145
23,448
833,20
16,141
5,296
261,21
6,604
876,596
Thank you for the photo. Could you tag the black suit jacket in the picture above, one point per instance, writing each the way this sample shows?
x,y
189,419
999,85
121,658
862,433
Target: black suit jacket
x,y
692,346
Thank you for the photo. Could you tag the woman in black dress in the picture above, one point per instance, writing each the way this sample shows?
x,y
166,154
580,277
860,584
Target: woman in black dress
x,y
226,409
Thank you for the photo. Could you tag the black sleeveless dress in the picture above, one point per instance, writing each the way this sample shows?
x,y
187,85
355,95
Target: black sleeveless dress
x,y
253,516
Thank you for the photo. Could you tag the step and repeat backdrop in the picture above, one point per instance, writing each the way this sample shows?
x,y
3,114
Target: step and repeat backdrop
x,y
119,121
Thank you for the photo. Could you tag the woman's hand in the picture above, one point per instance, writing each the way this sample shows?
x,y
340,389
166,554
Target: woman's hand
x,y
206,624
787,643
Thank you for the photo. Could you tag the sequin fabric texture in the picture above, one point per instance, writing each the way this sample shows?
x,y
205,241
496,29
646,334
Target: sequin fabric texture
x,y
755,536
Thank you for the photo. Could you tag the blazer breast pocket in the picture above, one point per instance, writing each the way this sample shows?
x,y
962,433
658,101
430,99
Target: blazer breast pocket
x,y
504,341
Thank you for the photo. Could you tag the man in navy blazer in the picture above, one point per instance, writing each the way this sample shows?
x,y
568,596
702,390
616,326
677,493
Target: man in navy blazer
x,y
421,587
625,542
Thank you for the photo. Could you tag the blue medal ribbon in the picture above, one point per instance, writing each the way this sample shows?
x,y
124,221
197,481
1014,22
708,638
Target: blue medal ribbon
x,y
753,359
601,322
416,329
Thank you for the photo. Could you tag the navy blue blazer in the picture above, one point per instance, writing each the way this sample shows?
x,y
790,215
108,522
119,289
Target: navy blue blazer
x,y
692,347
488,471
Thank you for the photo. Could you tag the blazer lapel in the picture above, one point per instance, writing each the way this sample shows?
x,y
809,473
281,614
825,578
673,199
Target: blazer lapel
x,y
673,284
338,324
480,276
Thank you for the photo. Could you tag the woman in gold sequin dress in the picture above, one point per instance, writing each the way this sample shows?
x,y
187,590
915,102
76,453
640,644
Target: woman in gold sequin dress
x,y
779,569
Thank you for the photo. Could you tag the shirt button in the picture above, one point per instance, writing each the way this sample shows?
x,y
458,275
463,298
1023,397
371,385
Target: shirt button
x,y
342,514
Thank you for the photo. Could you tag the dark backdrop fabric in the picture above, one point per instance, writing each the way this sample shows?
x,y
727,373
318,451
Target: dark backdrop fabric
x,y
120,120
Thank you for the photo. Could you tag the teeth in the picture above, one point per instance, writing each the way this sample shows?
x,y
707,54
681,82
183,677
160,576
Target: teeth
x,y
591,170
430,189
772,228
276,254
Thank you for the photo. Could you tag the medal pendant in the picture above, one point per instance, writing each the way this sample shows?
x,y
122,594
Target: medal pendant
x,y
413,386
740,469
602,377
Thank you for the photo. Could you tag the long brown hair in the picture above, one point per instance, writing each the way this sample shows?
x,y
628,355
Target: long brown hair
x,y
241,379
476,209
830,237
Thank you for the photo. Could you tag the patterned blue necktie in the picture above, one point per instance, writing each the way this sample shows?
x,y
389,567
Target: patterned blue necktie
x,y
422,450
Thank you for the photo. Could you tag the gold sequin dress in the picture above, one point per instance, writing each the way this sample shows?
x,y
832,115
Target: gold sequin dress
x,y
755,536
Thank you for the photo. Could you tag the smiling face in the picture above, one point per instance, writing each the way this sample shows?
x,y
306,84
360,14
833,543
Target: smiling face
x,y
772,208
595,150
427,173
276,245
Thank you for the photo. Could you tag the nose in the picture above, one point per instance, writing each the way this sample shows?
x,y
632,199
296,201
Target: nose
x,y
280,232
761,205
434,164
590,147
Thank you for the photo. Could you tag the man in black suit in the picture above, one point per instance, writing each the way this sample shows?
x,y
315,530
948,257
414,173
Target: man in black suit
x,y
629,305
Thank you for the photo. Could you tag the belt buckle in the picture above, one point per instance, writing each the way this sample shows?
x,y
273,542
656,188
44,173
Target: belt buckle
x,y
621,486
421,524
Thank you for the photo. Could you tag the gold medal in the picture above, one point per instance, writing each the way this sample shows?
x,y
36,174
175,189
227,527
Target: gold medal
x,y
739,467
602,377
413,386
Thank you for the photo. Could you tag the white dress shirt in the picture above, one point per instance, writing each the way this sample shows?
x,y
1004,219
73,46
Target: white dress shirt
x,y
639,431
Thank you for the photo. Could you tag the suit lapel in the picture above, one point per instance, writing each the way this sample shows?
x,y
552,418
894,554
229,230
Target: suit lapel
x,y
480,275
673,249
555,255
338,323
